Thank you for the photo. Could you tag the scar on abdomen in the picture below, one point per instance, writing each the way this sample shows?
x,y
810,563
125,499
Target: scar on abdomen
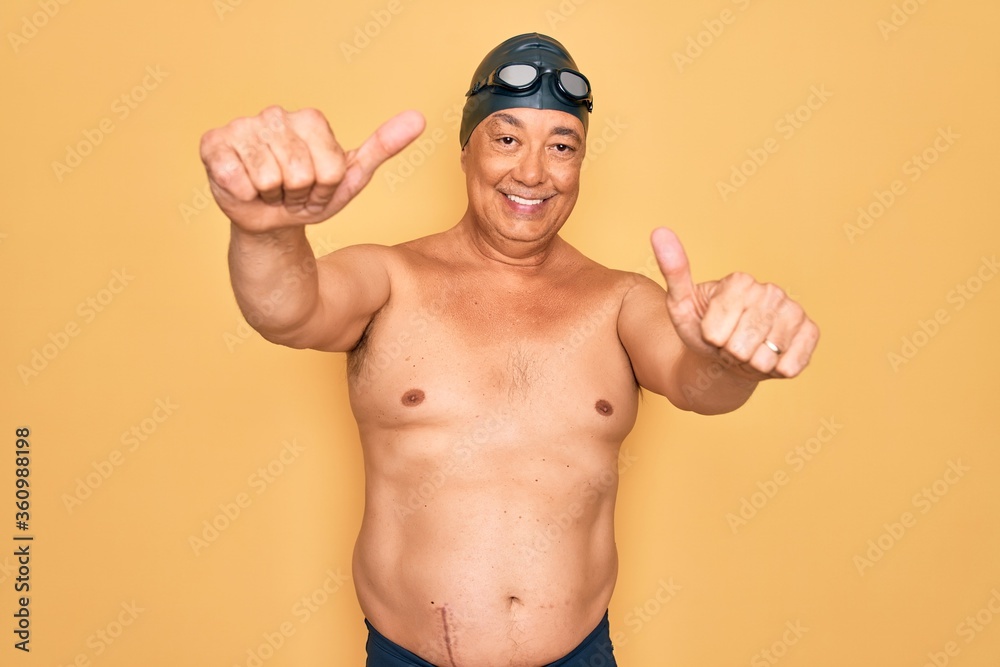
x,y
447,635
604,408
412,397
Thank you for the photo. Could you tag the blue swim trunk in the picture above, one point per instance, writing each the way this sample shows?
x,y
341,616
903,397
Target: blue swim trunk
x,y
594,651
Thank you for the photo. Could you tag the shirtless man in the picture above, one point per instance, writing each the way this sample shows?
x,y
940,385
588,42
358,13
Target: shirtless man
x,y
490,425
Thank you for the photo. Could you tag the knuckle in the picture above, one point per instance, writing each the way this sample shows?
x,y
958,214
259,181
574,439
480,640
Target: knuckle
x,y
791,306
790,367
273,115
812,331
331,172
268,179
228,179
208,143
738,349
314,123
268,124
252,154
311,116
712,335
792,313
298,177
740,352
241,126
774,293
740,279
765,366
224,171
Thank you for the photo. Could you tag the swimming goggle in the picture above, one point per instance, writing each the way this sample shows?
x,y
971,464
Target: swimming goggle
x,y
520,77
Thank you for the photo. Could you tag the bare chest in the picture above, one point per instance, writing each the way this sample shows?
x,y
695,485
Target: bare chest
x,y
448,352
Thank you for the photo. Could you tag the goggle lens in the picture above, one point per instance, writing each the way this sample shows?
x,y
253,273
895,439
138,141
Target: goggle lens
x,y
574,84
518,76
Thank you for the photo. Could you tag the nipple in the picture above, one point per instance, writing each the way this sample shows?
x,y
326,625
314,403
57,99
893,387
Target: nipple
x,y
412,397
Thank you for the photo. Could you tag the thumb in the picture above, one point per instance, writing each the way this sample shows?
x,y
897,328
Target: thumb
x,y
391,137
674,266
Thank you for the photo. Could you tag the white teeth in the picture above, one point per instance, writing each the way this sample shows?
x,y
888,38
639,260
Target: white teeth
x,y
526,202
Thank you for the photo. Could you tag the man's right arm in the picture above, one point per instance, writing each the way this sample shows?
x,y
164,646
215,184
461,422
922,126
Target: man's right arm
x,y
272,175
294,299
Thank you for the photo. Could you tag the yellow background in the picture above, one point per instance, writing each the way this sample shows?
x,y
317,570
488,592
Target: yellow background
x,y
670,131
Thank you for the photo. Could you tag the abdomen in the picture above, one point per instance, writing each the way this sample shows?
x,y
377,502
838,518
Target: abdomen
x,y
510,554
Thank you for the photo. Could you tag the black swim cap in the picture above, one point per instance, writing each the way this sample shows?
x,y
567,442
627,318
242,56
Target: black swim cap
x,y
549,56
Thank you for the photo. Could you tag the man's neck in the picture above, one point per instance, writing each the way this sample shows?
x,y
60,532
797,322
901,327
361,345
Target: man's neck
x,y
521,256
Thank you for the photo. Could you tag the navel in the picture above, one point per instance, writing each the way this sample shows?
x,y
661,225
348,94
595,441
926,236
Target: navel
x,y
412,397
604,408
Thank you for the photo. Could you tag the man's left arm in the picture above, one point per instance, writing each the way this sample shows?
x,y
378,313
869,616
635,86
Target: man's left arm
x,y
707,346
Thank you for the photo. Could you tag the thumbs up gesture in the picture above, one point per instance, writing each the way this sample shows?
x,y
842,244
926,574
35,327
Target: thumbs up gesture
x,y
284,169
750,325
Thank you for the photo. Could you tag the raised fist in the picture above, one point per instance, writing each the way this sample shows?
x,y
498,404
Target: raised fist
x,y
284,169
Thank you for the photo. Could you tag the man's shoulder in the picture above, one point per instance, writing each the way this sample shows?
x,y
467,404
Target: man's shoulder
x,y
431,243
613,278
390,255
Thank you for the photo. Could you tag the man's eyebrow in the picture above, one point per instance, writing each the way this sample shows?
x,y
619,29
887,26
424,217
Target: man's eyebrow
x,y
562,131
508,118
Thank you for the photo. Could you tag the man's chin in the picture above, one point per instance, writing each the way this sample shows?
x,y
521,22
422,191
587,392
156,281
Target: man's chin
x,y
523,229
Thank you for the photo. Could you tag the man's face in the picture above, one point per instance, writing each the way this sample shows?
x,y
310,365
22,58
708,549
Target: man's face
x,y
522,169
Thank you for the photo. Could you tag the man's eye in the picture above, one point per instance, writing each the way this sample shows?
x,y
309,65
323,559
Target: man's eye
x,y
507,141
562,148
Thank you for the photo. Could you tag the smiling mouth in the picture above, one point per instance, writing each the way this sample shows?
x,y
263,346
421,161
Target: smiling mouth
x,y
523,201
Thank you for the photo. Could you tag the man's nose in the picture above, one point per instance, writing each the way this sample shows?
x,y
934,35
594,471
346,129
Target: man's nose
x,y
530,169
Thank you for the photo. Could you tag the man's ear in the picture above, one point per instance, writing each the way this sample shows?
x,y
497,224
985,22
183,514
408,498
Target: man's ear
x,y
462,157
